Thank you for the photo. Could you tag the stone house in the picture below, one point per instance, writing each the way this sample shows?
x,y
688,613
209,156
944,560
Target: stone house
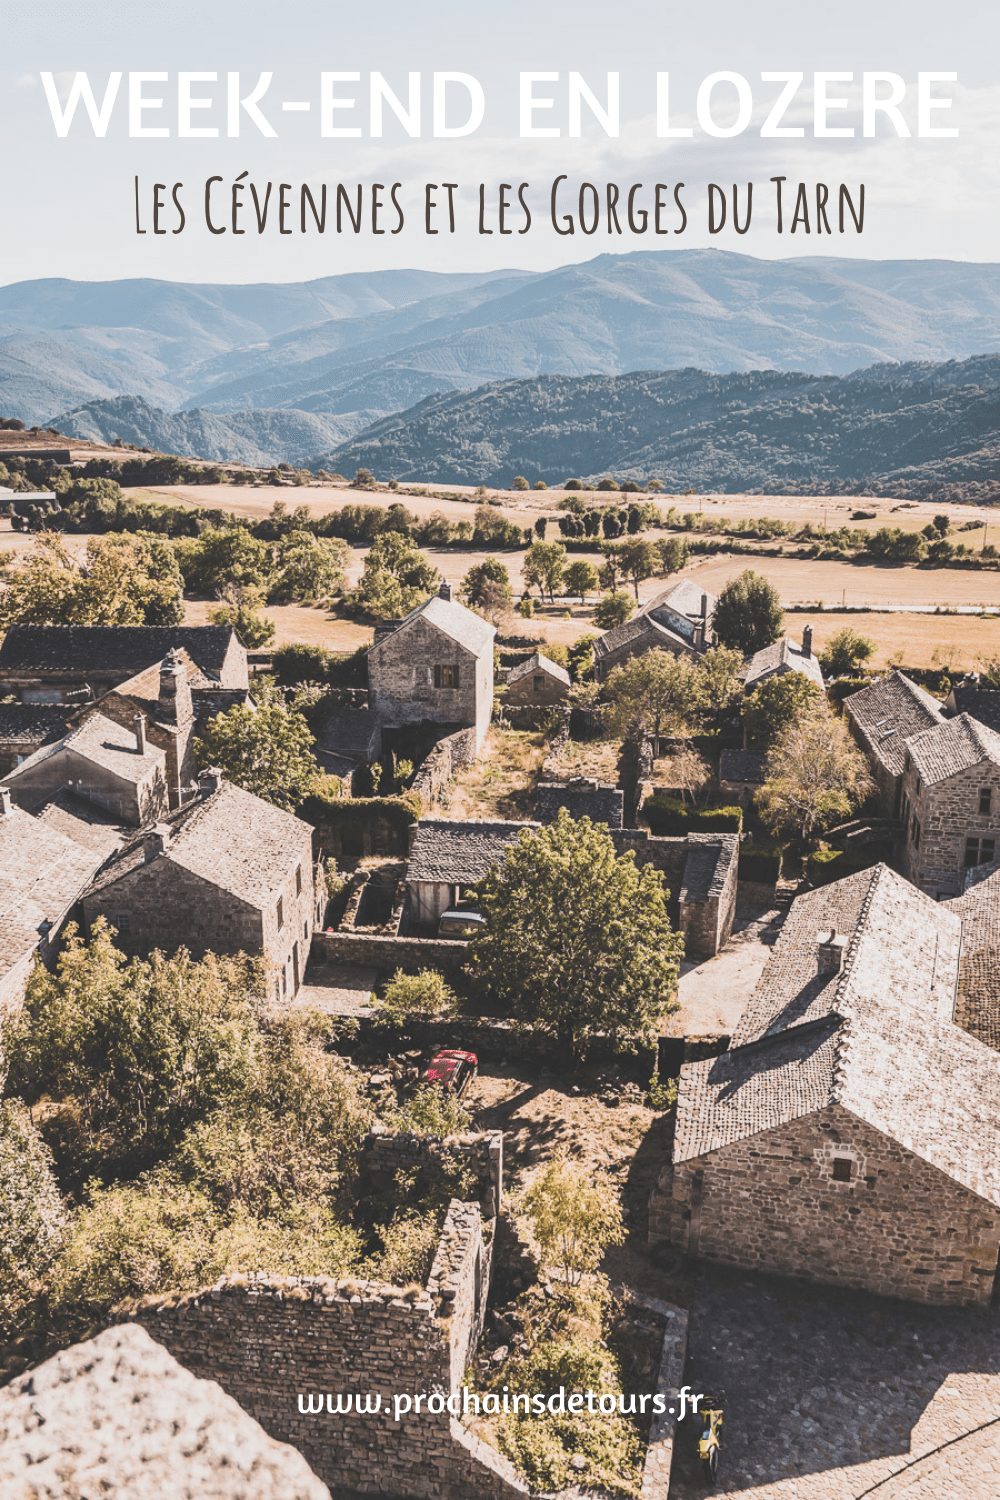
x,y
449,858
851,1132
882,717
56,663
784,656
679,620
539,680
972,696
102,762
162,697
434,666
226,873
741,774
42,876
950,804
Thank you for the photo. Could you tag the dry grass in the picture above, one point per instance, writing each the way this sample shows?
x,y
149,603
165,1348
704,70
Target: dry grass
x,y
594,758
500,783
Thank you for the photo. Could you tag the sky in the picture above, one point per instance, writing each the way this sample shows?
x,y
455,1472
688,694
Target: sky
x,y
67,208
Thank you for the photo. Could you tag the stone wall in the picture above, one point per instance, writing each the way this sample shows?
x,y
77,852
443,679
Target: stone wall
x,y
448,756
946,814
900,1227
401,679
387,952
706,915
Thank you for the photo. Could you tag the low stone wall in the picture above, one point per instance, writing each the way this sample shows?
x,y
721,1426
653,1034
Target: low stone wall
x,y
660,1447
388,952
384,1153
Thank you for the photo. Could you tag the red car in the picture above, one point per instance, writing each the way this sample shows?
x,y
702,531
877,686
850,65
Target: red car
x,y
451,1069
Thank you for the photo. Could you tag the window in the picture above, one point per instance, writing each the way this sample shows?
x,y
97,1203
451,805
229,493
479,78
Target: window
x,y
121,921
915,833
445,676
298,880
843,1169
281,913
985,799
979,852
538,683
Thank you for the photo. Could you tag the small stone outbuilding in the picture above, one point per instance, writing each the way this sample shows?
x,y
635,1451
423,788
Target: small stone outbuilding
x,y
538,680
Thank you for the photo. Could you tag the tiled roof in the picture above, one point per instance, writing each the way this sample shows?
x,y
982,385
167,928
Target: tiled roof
x,y
875,1037
539,663
343,730
742,765
42,874
230,839
783,655
956,745
457,853
124,648
888,712
977,1007
31,723
119,1416
709,857
104,743
81,821
452,619
582,798
144,687
684,597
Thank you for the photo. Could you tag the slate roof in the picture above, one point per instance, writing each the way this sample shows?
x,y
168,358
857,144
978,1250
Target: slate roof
x,y
452,619
888,712
876,1038
42,874
117,1415
982,703
709,857
31,723
582,798
783,655
742,765
348,731
104,743
459,853
539,663
37,649
143,689
684,597
956,745
977,1006
81,821
230,839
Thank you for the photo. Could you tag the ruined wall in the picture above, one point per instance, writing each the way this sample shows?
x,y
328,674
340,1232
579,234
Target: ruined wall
x,y
706,914
899,1227
448,756
387,952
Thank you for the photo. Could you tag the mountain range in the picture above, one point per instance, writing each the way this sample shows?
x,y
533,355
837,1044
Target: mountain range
x,y
918,430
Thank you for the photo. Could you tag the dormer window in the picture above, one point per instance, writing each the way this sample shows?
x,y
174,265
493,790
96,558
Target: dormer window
x,y
445,676
985,799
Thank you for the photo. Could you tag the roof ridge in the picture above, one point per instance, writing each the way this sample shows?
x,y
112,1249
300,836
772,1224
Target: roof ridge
x,y
860,926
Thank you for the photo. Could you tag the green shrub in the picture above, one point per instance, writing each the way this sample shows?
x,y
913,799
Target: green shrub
x,y
668,815
409,995
825,865
761,864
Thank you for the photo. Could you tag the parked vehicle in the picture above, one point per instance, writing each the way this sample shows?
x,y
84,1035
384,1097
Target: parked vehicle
x,y
710,1418
451,1070
460,924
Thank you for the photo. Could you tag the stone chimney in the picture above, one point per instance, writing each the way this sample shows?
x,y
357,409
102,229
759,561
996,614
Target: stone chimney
x,y
705,628
830,946
140,733
807,640
444,592
209,781
5,802
174,704
156,840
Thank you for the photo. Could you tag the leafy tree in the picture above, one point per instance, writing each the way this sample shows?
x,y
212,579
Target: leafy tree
x,y
545,566
580,659
653,694
267,750
299,662
309,568
142,1047
520,483
364,479
575,1215
396,578
433,1111
222,557
576,940
748,615
123,580
241,611
32,1216
487,584
673,555
815,775
580,579
423,994
720,673
847,652
613,609
638,560
778,701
